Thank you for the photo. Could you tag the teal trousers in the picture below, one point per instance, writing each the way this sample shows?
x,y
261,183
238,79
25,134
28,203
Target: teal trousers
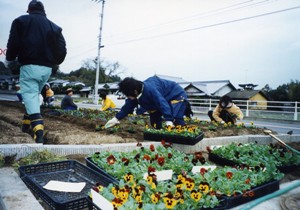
x,y
32,80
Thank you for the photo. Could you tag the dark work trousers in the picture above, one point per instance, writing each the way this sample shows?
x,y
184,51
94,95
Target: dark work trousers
x,y
178,110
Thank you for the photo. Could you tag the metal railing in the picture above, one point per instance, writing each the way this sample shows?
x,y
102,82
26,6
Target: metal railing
x,y
283,110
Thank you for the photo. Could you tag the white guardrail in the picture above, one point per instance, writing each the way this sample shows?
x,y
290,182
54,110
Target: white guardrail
x,y
283,110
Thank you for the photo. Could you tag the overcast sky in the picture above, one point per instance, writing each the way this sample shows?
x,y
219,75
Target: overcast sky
x,y
244,41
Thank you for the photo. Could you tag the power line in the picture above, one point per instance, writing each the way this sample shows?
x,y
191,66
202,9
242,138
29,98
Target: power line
x,y
213,12
192,29
210,13
203,27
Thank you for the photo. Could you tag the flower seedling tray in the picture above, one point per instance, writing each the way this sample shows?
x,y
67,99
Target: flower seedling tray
x,y
91,164
288,168
37,176
176,139
253,194
226,162
220,160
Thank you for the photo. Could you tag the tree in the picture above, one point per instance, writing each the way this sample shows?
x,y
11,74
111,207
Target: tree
x,y
294,90
285,92
107,72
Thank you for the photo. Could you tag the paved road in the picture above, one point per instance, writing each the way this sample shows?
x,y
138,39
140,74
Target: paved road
x,y
281,127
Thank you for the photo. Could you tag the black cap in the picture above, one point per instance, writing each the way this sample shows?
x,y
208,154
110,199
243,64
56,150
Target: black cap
x,y
225,102
35,5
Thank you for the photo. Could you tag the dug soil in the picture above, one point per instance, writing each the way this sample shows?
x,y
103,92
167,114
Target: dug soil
x,y
67,129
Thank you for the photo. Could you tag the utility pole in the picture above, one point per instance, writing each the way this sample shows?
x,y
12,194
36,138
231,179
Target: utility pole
x,y
96,96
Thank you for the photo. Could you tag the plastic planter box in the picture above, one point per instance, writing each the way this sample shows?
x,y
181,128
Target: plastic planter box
x,y
223,161
37,176
176,139
253,194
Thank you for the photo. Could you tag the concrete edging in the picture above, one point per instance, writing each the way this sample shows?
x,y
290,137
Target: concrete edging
x,y
22,150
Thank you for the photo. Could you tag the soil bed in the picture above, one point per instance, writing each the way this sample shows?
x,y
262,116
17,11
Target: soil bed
x,y
67,129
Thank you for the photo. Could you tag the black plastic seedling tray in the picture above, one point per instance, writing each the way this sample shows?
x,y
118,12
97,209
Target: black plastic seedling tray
x,y
176,139
37,176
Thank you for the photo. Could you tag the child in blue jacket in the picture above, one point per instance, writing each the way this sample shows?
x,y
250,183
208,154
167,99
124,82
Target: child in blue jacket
x,y
163,99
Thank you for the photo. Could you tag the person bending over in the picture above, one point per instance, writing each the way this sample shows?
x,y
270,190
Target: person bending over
x,y
107,102
164,100
226,111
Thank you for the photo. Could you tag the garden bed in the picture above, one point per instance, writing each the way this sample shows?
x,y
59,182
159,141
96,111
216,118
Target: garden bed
x,y
78,128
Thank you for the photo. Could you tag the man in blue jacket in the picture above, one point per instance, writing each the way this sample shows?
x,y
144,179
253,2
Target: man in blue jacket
x,y
39,46
163,99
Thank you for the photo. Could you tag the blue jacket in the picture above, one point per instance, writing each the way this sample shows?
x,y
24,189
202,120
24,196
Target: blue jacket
x,y
157,95
34,39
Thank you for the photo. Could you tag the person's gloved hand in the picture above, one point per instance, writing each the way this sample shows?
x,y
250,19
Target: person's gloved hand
x,y
222,122
111,123
169,123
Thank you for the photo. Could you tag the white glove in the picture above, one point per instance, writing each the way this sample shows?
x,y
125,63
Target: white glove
x,y
169,123
7,63
222,122
111,123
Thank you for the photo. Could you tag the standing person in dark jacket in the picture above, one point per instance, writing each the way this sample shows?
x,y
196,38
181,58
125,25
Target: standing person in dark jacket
x,y
67,102
39,46
163,99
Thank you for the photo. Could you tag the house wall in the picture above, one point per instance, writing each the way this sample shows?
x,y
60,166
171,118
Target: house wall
x,y
223,91
260,102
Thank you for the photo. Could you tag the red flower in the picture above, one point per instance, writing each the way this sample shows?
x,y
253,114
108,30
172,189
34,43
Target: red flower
x,y
161,161
165,144
151,169
247,181
208,149
95,188
111,159
229,175
152,148
147,157
125,161
198,155
202,171
212,193
251,193
170,155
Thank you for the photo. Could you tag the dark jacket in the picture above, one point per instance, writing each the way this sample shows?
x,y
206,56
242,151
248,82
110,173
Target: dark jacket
x,y
36,40
157,95
67,101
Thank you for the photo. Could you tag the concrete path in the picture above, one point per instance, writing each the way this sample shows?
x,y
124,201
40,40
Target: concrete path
x,y
14,194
